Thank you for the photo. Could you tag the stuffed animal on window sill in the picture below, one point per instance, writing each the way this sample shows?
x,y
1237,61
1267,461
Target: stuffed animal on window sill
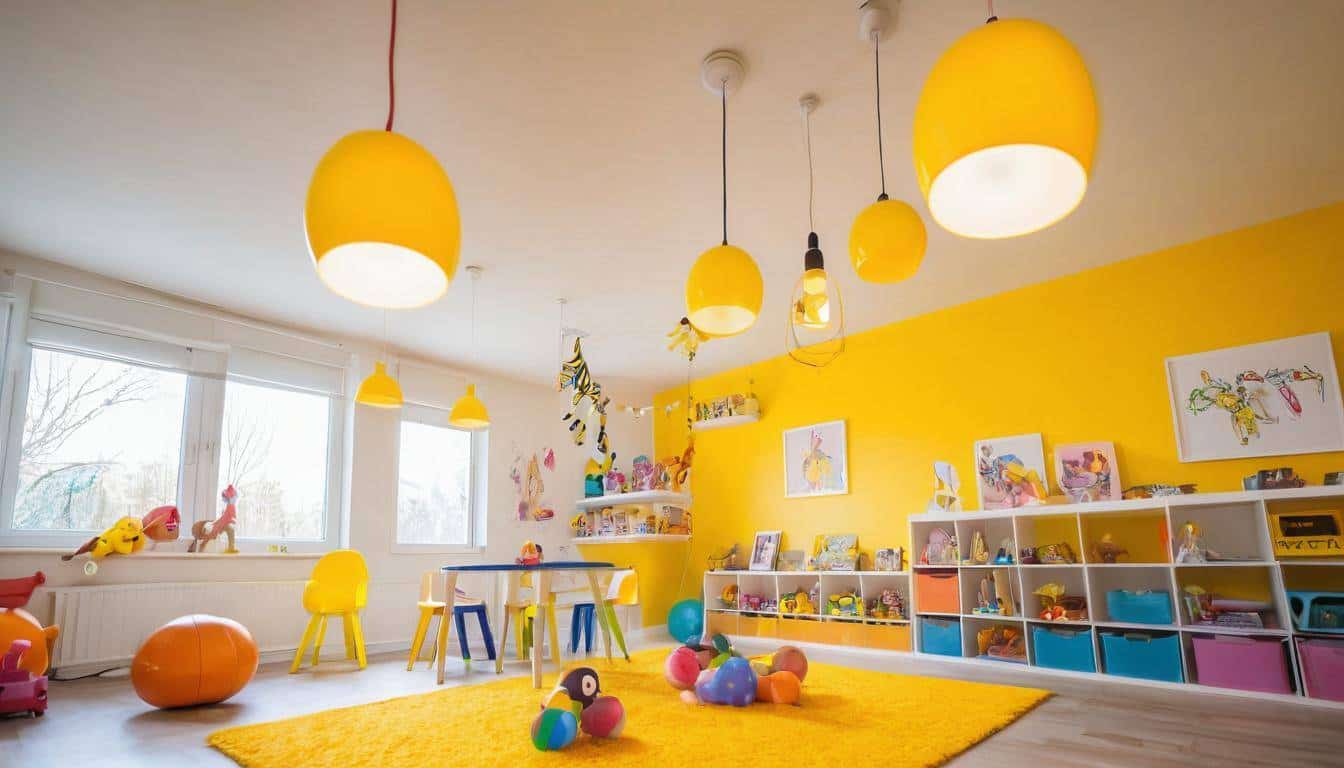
x,y
126,537
202,532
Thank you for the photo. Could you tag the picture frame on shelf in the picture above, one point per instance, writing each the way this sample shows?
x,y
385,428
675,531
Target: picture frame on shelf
x,y
1088,472
1010,471
1272,398
816,462
765,551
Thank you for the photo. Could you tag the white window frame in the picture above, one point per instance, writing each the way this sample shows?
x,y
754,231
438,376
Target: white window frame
x,y
477,498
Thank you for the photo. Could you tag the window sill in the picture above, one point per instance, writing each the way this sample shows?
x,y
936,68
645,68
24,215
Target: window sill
x,y
171,555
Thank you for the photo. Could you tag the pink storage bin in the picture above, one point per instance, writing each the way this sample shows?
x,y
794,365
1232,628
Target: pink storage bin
x,y
1244,663
1322,667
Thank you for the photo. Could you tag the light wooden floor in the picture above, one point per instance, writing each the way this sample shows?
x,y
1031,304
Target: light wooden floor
x,y
102,723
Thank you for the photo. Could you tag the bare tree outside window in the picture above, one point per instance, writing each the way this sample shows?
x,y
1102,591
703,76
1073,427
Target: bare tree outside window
x,y
101,440
434,488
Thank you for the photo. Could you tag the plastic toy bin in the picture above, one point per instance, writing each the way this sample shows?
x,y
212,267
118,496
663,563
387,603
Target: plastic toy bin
x,y
937,592
1147,655
940,636
1139,607
1322,667
1244,663
1060,648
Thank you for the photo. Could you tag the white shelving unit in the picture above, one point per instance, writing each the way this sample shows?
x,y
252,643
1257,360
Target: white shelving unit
x,y
1233,524
651,499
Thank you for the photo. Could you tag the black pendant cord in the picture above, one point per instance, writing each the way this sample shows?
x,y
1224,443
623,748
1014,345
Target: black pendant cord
x,y
723,101
877,77
391,81
992,16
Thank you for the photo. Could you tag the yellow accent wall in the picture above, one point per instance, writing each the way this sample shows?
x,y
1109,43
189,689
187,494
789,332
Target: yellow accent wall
x,y
1076,358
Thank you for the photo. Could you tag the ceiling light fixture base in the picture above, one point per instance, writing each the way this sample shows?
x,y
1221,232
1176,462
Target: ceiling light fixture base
x,y
809,102
873,21
722,72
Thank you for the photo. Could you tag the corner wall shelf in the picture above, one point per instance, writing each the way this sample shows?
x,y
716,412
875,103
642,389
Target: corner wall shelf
x,y
631,538
725,421
636,498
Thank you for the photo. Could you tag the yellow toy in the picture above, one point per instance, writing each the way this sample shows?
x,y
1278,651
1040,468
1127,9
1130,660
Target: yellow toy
x,y
797,602
688,337
729,596
679,468
339,586
124,538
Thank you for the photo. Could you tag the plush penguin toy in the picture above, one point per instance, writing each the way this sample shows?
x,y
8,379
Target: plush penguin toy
x,y
581,685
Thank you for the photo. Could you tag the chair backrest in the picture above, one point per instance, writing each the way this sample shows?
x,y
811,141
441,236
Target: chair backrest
x,y
342,569
624,588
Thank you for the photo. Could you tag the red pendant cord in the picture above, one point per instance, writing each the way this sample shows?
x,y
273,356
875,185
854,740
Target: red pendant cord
x,y
391,83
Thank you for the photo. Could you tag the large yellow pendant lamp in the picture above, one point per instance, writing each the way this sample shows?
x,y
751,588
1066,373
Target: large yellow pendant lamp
x,y
469,412
887,240
381,217
1005,130
816,333
380,390
724,288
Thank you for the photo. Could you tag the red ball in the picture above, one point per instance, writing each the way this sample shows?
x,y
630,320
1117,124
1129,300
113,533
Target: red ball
x,y
604,718
681,668
790,659
197,659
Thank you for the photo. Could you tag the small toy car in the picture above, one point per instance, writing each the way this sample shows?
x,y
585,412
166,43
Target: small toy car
x,y
21,690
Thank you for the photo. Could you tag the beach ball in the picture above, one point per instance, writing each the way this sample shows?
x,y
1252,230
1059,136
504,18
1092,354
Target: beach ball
x,y
554,729
197,659
686,620
604,718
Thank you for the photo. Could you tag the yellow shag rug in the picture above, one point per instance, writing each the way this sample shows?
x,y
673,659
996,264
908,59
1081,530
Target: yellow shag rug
x,y
847,717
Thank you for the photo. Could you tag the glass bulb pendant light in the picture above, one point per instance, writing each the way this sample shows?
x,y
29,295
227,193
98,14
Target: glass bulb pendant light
x,y
816,313
887,240
724,288
469,412
381,217
1005,130
380,390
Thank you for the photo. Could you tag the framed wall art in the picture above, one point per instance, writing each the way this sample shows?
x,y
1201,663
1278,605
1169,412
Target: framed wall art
x,y
815,460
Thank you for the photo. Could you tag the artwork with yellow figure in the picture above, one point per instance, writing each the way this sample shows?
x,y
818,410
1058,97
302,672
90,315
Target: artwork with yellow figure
x,y
528,487
815,463
1245,408
1009,471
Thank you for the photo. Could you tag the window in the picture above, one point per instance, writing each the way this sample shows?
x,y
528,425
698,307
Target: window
x,y
100,440
437,490
275,452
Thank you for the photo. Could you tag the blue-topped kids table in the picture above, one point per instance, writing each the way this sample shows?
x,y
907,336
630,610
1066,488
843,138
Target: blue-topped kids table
x,y
510,576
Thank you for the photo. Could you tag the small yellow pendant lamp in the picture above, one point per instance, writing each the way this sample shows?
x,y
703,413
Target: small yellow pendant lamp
x,y
469,412
380,390
887,240
724,288
381,217
1005,130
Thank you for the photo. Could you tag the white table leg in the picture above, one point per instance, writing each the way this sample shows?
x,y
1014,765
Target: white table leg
x,y
542,594
441,643
600,610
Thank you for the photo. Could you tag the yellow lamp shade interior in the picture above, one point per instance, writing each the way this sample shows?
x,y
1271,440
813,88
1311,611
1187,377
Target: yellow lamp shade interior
x,y
723,291
1005,131
382,222
887,242
469,412
379,390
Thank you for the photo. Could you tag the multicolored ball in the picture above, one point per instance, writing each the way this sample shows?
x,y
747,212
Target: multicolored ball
x,y
604,718
554,729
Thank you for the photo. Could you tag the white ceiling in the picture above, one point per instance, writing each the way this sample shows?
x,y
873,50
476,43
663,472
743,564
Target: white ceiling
x,y
170,144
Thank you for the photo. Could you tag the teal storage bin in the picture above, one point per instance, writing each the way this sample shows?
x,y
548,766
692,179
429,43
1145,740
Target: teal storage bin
x,y
940,636
1147,655
1061,648
1139,607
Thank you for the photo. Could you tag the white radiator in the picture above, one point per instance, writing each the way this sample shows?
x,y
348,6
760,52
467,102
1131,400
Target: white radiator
x,y
106,624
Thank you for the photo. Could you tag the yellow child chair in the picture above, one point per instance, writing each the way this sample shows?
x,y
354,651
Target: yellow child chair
x,y
523,613
623,589
339,586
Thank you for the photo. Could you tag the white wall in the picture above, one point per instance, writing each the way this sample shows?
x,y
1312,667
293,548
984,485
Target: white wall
x,y
524,417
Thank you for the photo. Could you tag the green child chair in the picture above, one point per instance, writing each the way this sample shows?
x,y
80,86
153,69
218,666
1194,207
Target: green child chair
x,y
339,586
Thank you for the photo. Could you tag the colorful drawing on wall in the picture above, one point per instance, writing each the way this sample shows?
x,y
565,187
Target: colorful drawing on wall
x,y
765,551
1087,471
1009,470
528,487
1268,399
815,462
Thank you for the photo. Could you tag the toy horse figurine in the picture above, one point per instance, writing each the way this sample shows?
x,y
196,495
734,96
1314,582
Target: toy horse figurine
x,y
203,533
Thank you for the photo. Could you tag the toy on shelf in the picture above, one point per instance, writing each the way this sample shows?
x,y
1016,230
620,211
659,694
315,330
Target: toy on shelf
x,y
995,595
644,474
1057,605
202,532
197,659
889,606
979,552
1317,611
946,488
736,404
18,624
20,689
941,548
890,559
615,482
847,603
595,475
1312,533
725,562
728,596
1203,608
162,524
1029,556
1192,548
1005,554
797,602
1272,480
125,537
1158,490
1107,551
1054,554
1333,478
1002,643
529,555
677,469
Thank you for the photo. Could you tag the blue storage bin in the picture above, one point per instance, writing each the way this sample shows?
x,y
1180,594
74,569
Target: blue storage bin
x,y
1149,655
940,636
1060,648
1139,607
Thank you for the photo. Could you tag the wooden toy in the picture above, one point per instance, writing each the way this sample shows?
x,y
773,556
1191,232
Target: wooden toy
x,y
203,532
1316,533
21,690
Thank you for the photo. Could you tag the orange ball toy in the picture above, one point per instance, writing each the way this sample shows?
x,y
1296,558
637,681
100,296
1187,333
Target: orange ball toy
x,y
197,659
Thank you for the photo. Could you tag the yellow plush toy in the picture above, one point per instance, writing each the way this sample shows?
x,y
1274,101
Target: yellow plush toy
x,y
126,537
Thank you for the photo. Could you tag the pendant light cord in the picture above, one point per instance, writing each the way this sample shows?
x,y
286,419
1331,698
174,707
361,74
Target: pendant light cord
x,y
475,276
723,101
807,131
391,81
992,16
877,77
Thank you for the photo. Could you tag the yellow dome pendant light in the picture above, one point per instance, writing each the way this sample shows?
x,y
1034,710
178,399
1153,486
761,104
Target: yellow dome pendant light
x,y
1005,130
816,330
381,218
469,412
724,288
887,240
380,390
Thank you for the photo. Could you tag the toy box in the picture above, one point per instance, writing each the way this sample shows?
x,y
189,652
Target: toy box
x,y
937,592
940,636
1147,655
1059,648
1322,667
1139,607
1244,663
